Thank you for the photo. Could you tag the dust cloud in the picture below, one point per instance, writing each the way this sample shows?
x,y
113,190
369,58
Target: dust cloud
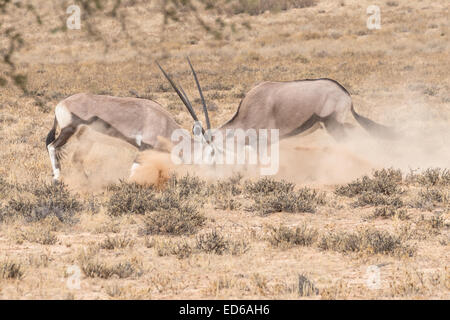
x,y
315,159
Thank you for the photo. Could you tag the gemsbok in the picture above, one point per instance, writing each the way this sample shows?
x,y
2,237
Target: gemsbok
x,y
292,107
136,121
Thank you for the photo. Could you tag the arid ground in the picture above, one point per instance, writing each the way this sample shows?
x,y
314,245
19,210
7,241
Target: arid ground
x,y
363,219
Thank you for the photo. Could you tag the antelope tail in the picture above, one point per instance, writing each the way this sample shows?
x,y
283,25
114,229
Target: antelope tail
x,y
51,134
375,129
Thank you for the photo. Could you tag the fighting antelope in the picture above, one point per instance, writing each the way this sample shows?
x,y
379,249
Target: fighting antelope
x,y
136,121
292,107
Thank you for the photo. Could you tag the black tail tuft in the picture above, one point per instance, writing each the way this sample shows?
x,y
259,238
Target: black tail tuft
x,y
51,134
375,129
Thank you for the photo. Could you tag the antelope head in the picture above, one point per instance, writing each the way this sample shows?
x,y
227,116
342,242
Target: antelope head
x,y
200,133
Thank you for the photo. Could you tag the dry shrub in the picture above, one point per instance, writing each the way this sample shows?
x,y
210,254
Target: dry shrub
x,y
431,198
5,187
226,202
286,237
221,283
385,182
312,35
129,198
431,226
437,222
304,200
11,270
38,260
186,186
212,242
181,249
37,233
306,287
431,177
226,193
339,290
48,200
181,194
232,185
238,247
260,283
97,269
118,242
180,221
271,196
173,210
375,199
256,7
382,189
388,211
114,290
392,3
267,185
92,267
367,240
411,282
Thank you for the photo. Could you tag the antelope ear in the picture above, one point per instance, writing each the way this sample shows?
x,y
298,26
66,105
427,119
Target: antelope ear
x,y
163,144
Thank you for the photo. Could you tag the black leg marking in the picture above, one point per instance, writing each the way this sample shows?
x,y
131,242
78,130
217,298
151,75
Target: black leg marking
x,y
305,126
51,134
145,146
104,127
334,127
62,139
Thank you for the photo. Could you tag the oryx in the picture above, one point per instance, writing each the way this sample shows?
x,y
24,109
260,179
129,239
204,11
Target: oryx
x,y
136,121
292,107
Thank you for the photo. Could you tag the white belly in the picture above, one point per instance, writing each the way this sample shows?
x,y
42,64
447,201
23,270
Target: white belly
x,y
63,115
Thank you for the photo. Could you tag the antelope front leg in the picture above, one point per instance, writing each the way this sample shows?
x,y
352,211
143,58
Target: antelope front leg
x,y
55,162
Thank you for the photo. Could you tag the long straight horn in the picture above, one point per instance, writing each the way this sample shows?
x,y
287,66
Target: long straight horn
x,y
205,109
181,94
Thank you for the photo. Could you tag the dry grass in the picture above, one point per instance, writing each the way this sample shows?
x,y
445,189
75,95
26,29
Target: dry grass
x,y
367,240
285,237
271,196
300,234
47,201
11,270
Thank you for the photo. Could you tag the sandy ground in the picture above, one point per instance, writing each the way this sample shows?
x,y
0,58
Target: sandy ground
x,y
397,76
